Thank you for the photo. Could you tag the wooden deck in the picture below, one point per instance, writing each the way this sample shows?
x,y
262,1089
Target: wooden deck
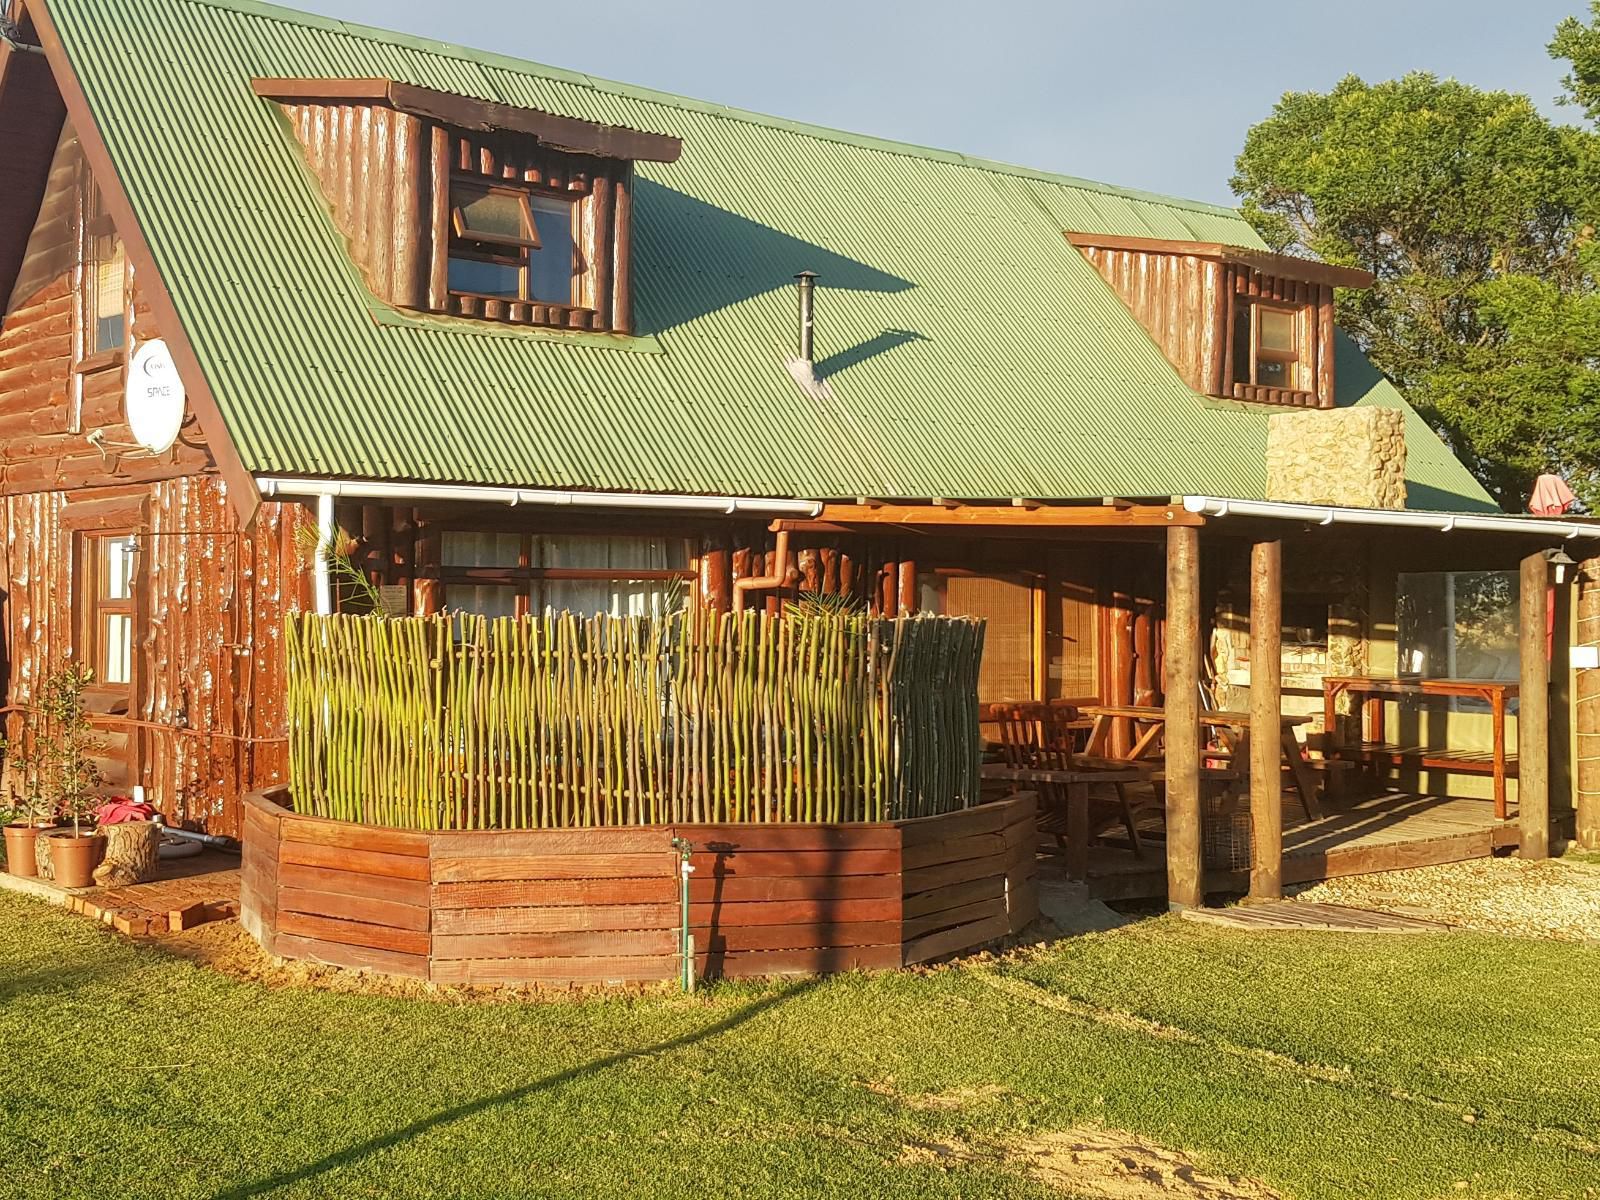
x,y
1385,833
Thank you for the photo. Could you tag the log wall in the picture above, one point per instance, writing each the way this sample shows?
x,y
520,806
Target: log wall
x,y
600,906
1186,304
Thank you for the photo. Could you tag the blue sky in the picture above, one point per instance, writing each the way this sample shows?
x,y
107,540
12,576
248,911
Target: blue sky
x,y
1153,94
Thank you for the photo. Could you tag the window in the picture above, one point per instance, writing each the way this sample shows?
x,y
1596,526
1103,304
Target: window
x,y
1266,341
105,276
508,574
1459,625
109,578
513,244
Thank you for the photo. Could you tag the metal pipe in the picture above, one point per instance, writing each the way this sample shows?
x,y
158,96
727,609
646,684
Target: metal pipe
x,y
320,584
685,851
806,282
779,576
1324,514
272,486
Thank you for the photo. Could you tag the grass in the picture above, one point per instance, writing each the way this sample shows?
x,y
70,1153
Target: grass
x,y
1326,1065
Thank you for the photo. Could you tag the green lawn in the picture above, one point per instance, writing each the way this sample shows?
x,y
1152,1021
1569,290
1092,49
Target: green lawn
x,y
1328,1066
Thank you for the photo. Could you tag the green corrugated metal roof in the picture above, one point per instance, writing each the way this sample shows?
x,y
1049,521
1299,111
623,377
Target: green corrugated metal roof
x,y
970,350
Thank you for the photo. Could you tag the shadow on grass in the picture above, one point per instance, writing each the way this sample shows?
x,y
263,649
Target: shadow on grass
x,y
351,1154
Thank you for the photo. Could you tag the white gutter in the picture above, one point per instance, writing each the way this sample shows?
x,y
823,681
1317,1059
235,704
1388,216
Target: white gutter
x,y
1326,514
272,486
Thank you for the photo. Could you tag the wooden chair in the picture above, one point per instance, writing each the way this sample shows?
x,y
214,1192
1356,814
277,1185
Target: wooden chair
x,y
1040,736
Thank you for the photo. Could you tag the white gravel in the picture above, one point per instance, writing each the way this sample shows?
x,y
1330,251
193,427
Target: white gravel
x,y
1556,898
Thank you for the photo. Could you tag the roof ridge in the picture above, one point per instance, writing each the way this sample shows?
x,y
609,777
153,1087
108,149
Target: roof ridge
x,y
490,58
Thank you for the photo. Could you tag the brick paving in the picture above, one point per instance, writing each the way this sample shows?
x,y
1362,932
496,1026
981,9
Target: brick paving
x,y
191,892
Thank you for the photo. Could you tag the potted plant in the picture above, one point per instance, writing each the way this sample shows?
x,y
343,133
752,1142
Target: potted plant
x,y
28,813
73,775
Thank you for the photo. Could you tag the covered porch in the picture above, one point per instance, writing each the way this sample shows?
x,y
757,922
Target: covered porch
x,y
1271,617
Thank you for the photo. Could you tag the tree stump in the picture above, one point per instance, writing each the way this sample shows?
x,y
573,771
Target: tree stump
x,y
131,851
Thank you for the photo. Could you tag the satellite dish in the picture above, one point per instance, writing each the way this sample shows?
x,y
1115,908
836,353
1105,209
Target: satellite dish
x,y
154,400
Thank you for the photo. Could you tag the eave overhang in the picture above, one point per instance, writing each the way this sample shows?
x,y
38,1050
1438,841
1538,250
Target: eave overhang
x,y
463,112
1283,266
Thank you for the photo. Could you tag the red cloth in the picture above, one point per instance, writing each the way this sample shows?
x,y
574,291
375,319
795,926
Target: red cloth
x,y
1551,496
119,809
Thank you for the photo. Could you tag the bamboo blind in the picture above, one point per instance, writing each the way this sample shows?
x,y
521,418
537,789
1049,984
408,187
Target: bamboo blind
x,y
469,722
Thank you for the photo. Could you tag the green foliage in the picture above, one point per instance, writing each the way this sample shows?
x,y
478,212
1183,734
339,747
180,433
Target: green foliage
x,y
1475,214
348,582
1579,44
67,745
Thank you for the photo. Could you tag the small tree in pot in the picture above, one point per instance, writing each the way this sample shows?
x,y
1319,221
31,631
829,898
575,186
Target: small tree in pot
x,y
73,774
28,811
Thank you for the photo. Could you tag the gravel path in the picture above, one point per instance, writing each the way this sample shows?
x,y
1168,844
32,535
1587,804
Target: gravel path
x,y
1557,898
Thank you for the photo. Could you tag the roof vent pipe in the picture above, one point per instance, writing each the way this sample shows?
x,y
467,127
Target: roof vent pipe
x,y
806,281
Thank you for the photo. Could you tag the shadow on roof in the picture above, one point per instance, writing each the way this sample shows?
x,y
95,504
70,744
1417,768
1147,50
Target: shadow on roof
x,y
692,259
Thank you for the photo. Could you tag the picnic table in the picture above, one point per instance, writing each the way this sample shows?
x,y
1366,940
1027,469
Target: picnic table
x,y
1371,691
1232,730
1074,781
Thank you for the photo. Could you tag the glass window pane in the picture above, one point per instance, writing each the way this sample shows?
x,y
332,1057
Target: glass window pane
x,y
550,269
117,631
1459,624
1275,374
1241,344
107,323
500,280
490,214
468,548
594,553
617,597
492,600
1275,328
117,563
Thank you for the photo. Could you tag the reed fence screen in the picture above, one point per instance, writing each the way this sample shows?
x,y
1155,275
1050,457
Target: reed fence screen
x,y
470,722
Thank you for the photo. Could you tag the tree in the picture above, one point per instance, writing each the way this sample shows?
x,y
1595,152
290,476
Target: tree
x,y
1579,44
1465,205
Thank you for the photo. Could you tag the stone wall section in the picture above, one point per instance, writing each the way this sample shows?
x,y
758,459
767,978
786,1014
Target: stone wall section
x,y
1354,457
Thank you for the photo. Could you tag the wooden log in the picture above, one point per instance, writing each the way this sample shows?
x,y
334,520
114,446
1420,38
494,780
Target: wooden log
x,y
906,587
130,856
439,221
1266,701
1325,339
601,213
1185,878
716,581
622,242
1533,712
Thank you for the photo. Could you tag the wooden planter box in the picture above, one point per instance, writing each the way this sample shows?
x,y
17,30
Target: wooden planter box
x,y
600,905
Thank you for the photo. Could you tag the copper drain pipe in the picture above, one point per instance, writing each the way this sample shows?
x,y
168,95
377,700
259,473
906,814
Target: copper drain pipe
x,y
779,577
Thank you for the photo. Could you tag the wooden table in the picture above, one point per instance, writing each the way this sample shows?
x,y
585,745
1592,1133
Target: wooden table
x,y
1075,782
1374,691
1233,728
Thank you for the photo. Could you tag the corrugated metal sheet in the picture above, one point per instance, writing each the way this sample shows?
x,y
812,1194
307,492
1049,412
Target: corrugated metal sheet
x,y
970,350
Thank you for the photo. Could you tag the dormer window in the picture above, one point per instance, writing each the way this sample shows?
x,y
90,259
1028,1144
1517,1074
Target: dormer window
x,y
474,209
1235,322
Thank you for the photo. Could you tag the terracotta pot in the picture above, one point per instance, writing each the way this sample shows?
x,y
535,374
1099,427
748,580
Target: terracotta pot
x,y
74,858
20,839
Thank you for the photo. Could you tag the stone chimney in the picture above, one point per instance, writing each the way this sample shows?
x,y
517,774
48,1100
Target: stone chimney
x,y
1352,457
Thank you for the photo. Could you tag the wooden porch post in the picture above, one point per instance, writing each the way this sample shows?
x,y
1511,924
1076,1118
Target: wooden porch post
x,y
1533,711
1266,730
1185,871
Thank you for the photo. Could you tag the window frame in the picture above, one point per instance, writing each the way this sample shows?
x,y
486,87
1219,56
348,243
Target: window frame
x,y
1290,359
95,604
97,242
515,251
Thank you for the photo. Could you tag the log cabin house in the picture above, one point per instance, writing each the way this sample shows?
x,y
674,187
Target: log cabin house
x,y
526,339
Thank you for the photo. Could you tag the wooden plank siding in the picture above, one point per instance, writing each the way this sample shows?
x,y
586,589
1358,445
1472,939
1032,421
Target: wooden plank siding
x,y
601,906
205,719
